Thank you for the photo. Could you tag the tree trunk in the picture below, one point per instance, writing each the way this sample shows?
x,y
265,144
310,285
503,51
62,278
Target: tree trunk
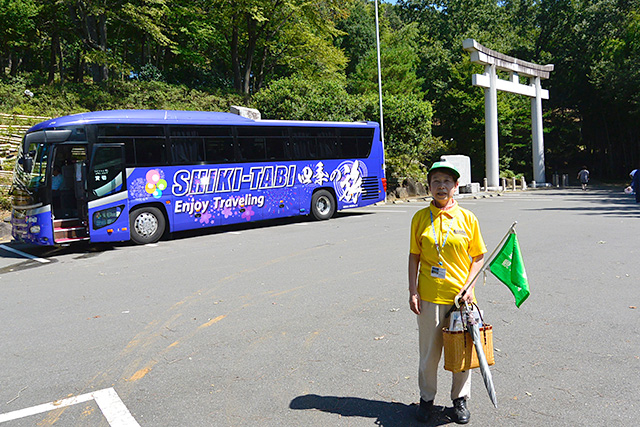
x,y
55,41
61,69
15,64
251,47
235,60
96,33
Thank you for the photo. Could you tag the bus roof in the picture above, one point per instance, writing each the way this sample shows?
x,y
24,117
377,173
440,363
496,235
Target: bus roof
x,y
167,117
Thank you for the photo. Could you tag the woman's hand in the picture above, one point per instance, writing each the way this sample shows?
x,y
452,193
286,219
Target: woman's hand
x,y
467,298
414,302
414,296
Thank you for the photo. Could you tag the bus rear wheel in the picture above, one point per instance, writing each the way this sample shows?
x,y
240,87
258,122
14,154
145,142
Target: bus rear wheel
x,y
147,225
323,205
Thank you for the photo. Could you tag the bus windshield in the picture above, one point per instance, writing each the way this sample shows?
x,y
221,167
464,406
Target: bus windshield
x,y
39,155
30,172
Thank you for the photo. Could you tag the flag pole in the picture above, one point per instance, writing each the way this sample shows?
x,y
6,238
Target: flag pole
x,y
484,267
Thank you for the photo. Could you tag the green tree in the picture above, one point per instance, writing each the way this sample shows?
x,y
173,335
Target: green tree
x,y
301,98
265,38
358,36
399,63
17,29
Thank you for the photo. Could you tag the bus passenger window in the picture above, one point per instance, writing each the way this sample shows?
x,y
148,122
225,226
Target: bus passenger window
x,y
187,150
218,150
349,146
252,149
328,148
150,152
276,149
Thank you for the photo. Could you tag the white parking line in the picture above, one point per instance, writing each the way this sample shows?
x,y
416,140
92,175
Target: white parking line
x,y
24,254
108,401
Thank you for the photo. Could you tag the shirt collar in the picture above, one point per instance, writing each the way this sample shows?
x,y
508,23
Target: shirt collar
x,y
451,212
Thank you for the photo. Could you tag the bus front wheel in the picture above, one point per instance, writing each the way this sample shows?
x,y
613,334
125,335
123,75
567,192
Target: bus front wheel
x,y
323,205
147,225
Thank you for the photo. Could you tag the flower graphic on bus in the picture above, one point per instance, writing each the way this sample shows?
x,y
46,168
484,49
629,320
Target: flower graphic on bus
x,y
227,212
155,183
348,180
206,218
248,213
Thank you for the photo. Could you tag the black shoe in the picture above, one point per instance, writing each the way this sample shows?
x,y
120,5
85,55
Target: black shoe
x,y
461,414
423,413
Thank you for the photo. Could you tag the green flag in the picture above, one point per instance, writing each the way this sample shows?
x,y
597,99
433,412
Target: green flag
x,y
508,267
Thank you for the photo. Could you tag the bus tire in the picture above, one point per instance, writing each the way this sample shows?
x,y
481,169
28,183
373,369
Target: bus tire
x,y
323,205
147,225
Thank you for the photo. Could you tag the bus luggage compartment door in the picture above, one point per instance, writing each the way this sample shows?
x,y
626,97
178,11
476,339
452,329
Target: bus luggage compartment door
x,y
109,219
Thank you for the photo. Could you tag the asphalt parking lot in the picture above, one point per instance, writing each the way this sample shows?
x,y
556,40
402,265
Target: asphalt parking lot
x,y
297,322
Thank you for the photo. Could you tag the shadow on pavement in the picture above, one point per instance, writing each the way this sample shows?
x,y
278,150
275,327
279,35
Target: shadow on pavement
x,y
603,200
389,414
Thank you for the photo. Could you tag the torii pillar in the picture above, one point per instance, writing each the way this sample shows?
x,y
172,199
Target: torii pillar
x,y
493,61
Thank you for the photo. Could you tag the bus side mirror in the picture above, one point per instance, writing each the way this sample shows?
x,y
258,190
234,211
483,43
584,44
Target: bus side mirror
x,y
27,164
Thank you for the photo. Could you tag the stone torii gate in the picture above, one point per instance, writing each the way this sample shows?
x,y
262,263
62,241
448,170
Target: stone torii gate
x,y
493,61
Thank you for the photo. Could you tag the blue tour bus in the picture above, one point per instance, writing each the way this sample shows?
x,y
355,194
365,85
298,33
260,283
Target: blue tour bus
x,y
112,176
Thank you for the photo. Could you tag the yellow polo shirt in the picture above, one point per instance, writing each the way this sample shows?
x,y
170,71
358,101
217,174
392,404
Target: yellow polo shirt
x,y
463,243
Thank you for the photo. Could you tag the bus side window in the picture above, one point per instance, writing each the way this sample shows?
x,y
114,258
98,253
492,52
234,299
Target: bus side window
x,y
303,144
129,151
187,150
349,146
218,150
328,148
252,149
364,146
150,152
276,148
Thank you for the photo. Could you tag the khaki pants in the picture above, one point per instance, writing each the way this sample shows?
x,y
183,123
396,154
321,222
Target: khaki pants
x,y
431,320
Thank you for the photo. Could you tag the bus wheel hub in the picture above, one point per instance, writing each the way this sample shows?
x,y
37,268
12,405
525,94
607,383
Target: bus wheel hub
x,y
146,224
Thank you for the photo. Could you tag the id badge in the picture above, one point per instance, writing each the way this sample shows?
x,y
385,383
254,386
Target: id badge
x,y
438,272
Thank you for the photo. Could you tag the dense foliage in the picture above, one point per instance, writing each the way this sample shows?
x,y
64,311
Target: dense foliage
x,y
317,60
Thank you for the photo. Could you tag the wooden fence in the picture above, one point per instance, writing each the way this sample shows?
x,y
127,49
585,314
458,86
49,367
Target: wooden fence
x,y
12,129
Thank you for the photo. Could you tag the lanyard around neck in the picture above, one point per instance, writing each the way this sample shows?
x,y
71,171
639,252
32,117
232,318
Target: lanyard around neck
x,y
435,238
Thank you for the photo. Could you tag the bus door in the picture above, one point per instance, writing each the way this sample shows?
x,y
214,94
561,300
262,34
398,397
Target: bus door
x,y
108,199
68,194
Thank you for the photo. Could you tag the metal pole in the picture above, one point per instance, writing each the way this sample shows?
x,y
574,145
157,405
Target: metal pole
x,y
379,76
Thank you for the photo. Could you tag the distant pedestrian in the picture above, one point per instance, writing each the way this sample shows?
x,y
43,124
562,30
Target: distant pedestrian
x,y
583,176
630,188
635,184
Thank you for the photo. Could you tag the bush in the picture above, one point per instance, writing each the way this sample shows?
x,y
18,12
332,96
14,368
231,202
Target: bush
x,y
59,100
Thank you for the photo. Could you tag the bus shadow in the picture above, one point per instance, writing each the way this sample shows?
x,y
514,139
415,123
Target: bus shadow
x,y
91,249
253,225
389,414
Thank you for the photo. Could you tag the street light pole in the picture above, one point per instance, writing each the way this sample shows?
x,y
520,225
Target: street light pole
x,y
379,75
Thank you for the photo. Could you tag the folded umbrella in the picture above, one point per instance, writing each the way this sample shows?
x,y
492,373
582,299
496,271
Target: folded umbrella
x,y
474,331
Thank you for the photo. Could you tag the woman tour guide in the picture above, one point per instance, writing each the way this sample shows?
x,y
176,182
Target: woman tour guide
x,y
446,252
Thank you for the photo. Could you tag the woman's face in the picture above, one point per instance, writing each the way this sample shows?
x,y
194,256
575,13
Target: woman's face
x,y
442,186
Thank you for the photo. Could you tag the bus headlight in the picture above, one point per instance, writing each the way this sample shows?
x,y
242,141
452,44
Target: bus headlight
x,y
34,229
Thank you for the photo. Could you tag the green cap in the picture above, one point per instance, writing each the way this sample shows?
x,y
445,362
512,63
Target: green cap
x,y
443,164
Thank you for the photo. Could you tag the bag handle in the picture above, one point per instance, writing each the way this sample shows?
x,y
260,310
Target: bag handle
x,y
472,305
